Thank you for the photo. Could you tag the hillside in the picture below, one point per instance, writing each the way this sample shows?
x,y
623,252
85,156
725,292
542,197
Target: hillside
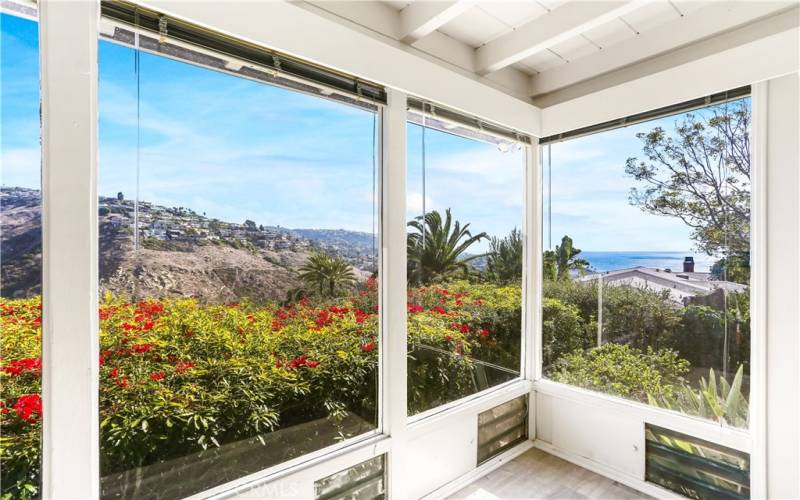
x,y
180,252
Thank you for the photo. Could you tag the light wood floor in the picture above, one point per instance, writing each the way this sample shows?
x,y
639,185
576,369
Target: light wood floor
x,y
536,474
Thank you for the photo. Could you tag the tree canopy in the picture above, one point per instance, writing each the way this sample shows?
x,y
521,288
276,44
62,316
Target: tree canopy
x,y
436,247
700,173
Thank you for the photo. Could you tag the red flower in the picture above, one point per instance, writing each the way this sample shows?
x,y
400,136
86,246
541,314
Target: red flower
x,y
114,373
122,382
361,316
323,319
338,310
128,327
415,308
368,347
157,375
463,328
141,348
484,332
29,407
19,366
477,302
149,308
37,321
312,364
297,362
183,366
278,364
449,338
438,310
3,408
148,325
459,302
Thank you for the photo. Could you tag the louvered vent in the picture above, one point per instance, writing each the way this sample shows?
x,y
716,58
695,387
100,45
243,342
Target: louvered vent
x,y
364,481
695,468
502,427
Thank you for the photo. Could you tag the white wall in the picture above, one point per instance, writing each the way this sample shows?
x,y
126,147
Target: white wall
x,y
783,279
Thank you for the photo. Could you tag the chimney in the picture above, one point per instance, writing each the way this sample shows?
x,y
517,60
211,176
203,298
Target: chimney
x,y
688,265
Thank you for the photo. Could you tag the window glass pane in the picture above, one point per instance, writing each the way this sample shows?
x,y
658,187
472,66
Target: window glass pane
x,y
464,265
238,275
647,262
21,260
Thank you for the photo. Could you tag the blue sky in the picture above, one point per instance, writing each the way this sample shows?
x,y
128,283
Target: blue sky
x,y
237,149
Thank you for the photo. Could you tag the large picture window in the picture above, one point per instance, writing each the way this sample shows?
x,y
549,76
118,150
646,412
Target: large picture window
x,y
464,263
20,260
238,274
646,265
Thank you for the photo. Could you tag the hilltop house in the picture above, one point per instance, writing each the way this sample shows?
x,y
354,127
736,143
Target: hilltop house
x,y
682,286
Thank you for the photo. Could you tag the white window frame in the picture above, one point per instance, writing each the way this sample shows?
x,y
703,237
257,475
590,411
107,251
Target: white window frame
x,y
751,440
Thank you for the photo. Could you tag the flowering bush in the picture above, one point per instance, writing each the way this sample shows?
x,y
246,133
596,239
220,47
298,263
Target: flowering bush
x,y
178,377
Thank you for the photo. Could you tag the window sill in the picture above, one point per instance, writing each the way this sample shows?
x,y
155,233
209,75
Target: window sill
x,y
333,458
473,404
732,437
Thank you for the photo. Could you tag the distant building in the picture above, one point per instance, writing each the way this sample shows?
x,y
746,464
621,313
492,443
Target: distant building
x,y
682,287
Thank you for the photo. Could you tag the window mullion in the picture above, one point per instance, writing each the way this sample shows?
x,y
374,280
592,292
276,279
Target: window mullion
x,y
393,305
68,41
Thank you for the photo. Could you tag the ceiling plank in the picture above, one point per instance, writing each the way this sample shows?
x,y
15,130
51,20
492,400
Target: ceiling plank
x,y
703,23
567,21
422,18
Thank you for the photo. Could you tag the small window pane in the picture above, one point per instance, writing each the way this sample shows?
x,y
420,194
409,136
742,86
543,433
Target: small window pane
x,y
502,427
364,481
646,265
695,468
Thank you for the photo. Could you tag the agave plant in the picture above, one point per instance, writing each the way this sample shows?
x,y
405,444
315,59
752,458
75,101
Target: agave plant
x,y
723,402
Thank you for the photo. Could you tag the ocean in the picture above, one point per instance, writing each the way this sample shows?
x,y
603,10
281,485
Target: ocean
x,y
609,261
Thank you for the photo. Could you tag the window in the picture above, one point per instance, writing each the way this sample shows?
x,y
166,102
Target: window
x,y
464,263
238,274
21,251
646,262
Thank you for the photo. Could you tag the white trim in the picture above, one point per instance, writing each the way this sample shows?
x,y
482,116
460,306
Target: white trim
x,y
727,69
323,462
420,424
483,469
731,437
70,342
294,30
394,301
758,293
608,472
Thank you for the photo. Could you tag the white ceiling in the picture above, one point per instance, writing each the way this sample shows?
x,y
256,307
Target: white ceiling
x,y
540,46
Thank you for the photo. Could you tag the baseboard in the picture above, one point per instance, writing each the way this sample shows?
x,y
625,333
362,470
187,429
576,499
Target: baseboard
x,y
605,471
470,477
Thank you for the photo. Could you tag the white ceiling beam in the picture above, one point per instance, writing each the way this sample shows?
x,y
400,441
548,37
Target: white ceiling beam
x,y
567,21
703,23
422,18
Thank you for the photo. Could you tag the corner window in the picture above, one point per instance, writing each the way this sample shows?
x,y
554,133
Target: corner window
x,y
646,264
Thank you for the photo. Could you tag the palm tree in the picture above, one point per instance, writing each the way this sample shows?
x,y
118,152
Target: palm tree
x,y
565,259
504,262
436,248
326,273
